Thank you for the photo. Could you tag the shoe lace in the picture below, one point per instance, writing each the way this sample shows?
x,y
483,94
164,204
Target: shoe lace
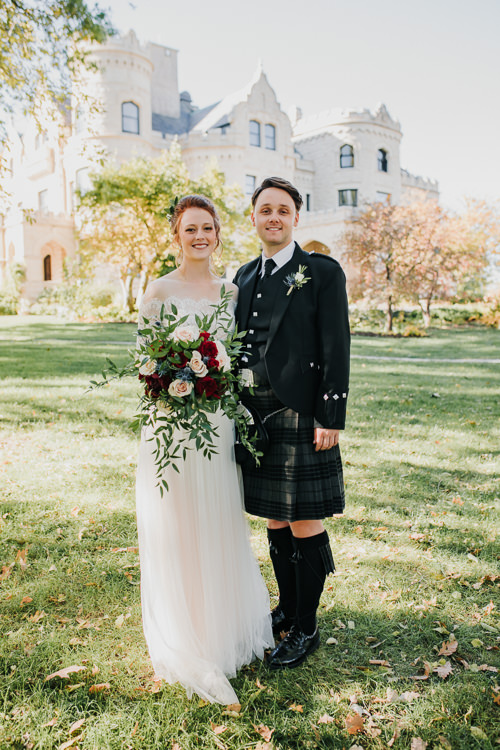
x,y
293,637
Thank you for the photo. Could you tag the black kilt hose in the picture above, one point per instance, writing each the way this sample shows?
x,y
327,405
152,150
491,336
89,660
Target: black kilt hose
x,y
294,482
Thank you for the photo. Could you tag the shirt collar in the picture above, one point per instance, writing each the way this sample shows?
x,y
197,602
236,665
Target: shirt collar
x,y
280,258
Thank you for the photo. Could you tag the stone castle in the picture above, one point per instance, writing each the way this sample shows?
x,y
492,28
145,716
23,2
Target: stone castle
x,y
337,159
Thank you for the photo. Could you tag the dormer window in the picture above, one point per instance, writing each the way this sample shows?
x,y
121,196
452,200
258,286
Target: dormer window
x,y
270,137
130,118
382,160
346,156
254,132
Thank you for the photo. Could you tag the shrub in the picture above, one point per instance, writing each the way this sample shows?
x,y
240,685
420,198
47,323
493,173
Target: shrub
x,y
8,303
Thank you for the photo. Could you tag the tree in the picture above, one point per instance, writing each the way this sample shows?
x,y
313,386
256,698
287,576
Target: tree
x,y
417,252
125,217
43,47
373,244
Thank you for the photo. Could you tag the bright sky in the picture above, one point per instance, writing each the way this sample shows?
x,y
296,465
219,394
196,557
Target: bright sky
x,y
434,63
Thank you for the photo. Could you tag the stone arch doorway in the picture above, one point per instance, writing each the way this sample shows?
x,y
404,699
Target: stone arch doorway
x,y
52,256
317,247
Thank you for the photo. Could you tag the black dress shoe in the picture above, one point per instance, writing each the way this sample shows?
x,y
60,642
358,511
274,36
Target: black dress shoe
x,y
281,623
293,649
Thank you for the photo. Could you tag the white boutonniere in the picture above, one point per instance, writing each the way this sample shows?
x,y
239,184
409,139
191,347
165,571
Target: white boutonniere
x,y
296,280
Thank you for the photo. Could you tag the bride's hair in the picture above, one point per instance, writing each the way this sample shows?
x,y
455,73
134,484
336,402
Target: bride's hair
x,y
194,201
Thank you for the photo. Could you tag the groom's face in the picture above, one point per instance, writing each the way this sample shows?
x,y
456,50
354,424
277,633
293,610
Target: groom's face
x,y
274,217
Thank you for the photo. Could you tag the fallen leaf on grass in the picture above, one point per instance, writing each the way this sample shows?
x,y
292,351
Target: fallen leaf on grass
x,y
76,726
331,642
6,571
134,730
448,648
70,743
326,719
65,673
25,600
296,707
217,729
100,687
478,733
476,643
417,743
264,731
445,742
121,619
496,698
380,662
21,558
354,723
37,616
51,723
125,549
263,746
443,670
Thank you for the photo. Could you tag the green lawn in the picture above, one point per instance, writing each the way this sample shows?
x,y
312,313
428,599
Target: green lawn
x,y
411,610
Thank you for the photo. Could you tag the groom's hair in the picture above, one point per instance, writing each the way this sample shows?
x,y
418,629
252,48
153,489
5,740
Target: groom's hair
x,y
282,184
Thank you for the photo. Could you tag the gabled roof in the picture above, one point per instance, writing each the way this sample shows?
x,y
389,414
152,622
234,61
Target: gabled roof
x,y
221,113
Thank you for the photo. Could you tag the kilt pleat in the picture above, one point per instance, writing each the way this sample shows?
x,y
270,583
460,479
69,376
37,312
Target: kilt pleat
x,y
293,481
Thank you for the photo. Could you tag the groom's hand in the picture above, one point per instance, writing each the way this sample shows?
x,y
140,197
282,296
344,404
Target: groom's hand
x,y
325,439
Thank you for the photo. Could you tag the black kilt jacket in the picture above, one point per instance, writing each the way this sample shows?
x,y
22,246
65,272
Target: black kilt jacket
x,y
307,352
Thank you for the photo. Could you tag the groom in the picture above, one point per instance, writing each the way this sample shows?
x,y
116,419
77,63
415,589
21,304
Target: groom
x,y
294,308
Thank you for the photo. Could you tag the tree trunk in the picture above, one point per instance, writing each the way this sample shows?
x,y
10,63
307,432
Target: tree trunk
x,y
143,282
389,315
425,306
128,298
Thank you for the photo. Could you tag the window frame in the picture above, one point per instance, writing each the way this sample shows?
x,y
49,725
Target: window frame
x,y
353,198
344,156
270,136
255,134
136,117
254,182
382,160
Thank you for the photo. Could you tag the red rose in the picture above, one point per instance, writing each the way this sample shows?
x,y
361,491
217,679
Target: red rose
x,y
204,335
212,362
208,349
208,386
181,360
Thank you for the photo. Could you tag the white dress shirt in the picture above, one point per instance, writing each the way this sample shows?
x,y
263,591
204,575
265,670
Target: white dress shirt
x,y
280,258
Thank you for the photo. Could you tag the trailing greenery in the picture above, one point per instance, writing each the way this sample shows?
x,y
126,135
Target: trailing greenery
x,y
416,555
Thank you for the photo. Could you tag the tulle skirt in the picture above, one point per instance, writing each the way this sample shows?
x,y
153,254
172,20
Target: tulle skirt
x,y
205,606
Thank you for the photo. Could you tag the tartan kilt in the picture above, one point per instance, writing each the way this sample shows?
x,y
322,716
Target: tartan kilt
x,y
293,481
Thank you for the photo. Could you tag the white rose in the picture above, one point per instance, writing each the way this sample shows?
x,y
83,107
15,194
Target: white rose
x,y
186,334
180,388
197,365
299,276
223,357
148,368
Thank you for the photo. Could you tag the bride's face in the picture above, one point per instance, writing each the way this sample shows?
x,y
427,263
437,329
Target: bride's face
x,y
197,235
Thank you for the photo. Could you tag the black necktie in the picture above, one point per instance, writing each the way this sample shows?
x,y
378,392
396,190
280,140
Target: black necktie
x,y
269,266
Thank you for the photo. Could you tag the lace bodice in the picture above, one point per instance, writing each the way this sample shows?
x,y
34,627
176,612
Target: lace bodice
x,y
151,310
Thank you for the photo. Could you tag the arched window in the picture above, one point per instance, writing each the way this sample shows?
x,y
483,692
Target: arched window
x,y
254,133
130,118
346,156
47,268
382,160
270,137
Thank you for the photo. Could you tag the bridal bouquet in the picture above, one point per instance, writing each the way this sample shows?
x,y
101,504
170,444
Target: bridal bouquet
x,y
186,373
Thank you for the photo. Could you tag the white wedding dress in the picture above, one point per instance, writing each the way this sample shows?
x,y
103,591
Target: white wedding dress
x,y
205,606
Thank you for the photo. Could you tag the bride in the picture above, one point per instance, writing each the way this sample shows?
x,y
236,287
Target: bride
x,y
205,607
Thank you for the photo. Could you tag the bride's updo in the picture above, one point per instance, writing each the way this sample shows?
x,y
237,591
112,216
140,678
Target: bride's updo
x,y
194,201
